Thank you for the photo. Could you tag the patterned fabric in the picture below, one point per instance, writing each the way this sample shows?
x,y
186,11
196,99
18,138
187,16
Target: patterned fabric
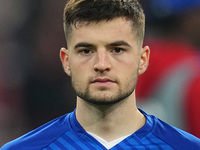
x,y
65,133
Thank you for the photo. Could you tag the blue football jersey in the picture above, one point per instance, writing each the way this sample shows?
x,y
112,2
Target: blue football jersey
x,y
65,133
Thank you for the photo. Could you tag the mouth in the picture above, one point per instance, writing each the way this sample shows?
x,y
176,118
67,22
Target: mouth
x,y
102,81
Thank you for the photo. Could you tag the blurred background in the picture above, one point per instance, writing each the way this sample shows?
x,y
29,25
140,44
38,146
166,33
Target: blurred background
x,y
34,88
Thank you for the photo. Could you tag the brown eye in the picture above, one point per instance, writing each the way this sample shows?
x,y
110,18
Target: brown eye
x,y
118,50
85,51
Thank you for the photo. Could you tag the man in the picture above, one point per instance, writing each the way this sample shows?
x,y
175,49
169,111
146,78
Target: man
x,y
104,57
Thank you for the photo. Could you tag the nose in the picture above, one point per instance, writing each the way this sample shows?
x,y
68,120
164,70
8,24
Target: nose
x,y
102,61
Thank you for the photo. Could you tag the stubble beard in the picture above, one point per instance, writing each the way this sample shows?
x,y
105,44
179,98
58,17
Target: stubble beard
x,y
104,99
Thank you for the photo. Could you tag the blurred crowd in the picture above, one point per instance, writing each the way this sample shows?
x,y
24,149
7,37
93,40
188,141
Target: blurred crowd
x,y
34,88
170,87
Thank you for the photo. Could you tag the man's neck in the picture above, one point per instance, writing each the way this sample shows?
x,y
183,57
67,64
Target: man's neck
x,y
110,122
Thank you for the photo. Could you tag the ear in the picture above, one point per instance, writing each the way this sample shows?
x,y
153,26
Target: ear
x,y
144,60
64,57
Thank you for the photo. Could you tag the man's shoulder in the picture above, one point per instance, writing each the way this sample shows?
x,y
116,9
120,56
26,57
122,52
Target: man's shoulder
x,y
41,136
173,136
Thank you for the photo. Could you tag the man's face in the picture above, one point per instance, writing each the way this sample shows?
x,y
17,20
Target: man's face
x,y
104,60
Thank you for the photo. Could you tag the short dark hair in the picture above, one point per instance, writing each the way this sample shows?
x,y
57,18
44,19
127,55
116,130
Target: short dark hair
x,y
86,11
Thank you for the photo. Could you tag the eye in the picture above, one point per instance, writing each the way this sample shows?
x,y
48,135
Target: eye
x,y
85,51
118,50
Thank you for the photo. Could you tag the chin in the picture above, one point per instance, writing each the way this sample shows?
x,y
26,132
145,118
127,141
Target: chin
x,y
104,99
103,102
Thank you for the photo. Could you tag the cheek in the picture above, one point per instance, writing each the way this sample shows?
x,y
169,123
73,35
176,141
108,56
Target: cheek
x,y
79,81
130,66
79,72
128,71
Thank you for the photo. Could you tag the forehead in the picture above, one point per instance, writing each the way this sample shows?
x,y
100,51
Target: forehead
x,y
104,31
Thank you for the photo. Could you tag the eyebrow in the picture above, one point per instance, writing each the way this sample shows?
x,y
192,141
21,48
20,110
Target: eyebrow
x,y
119,43
83,44
116,43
